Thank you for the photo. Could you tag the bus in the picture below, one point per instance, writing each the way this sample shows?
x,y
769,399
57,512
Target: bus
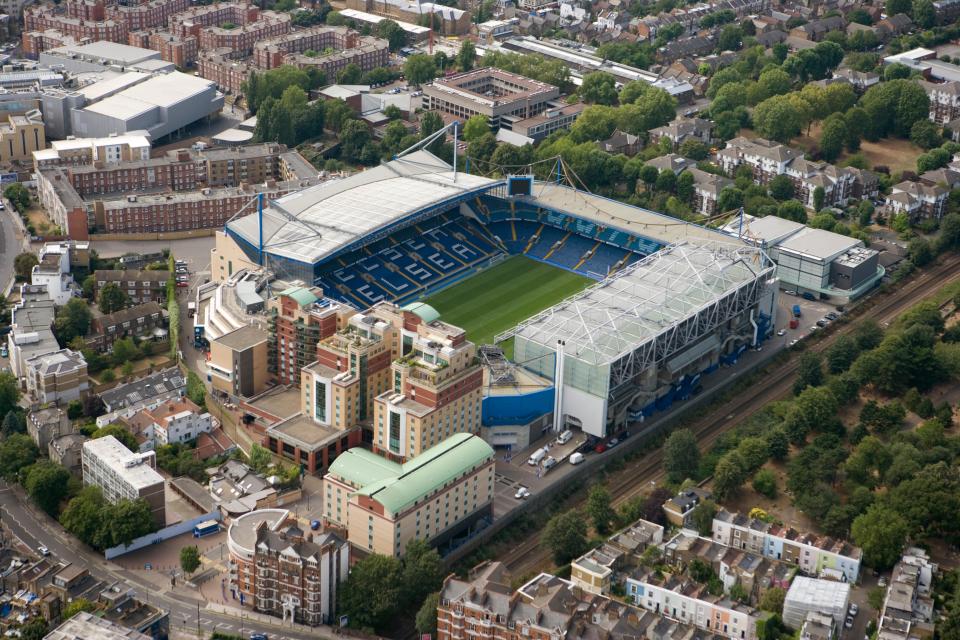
x,y
206,528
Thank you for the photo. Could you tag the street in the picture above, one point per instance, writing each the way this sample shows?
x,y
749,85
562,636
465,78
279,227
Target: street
x,y
11,244
189,611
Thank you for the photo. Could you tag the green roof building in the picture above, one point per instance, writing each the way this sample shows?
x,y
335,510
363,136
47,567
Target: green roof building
x,y
384,505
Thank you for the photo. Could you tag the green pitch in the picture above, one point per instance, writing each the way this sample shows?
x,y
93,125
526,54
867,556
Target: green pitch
x,y
498,298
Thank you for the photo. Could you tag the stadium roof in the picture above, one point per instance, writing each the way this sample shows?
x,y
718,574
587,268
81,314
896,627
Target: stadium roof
x,y
312,224
620,314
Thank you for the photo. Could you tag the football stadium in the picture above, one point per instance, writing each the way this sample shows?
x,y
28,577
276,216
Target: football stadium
x,y
625,306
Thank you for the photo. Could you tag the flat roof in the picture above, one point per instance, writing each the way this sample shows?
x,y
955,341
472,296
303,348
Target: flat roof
x,y
819,243
310,225
245,336
243,530
112,453
769,229
636,304
162,91
109,51
86,625
305,432
234,136
111,84
363,16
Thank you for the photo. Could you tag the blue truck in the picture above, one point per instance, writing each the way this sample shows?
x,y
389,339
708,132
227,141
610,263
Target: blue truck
x,y
796,311
205,528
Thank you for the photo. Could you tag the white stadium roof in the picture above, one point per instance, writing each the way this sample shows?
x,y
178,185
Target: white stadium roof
x,y
312,224
619,314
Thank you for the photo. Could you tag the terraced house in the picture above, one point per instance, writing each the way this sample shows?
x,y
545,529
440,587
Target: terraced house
x,y
819,556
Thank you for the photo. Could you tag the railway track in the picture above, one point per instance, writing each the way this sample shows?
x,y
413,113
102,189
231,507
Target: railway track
x,y
634,480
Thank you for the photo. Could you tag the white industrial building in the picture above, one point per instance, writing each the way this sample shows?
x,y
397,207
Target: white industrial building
x,y
97,56
124,475
807,595
811,260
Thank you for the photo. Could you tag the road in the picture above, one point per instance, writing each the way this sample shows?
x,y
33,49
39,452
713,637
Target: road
x,y
11,244
34,528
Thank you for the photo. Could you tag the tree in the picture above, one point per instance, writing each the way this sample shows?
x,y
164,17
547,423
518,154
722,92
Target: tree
x,y
371,596
597,122
924,13
126,438
13,422
475,128
772,82
420,68
685,186
730,198
779,118
112,298
772,600
36,629
925,134
426,620
666,181
842,354
421,573
17,452
466,56
781,187
195,390
599,87
809,372
792,210
189,558
832,137
599,509
24,263
765,483
731,38
893,7
729,474
814,409
76,606
354,136
566,536
818,196
73,319
350,74
393,33
47,484
702,517
881,532
868,335
18,195
694,149
681,457
893,107
260,458
920,252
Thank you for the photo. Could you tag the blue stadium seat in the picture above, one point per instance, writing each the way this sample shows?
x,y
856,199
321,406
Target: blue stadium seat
x,y
393,282
548,237
572,251
459,250
599,264
433,257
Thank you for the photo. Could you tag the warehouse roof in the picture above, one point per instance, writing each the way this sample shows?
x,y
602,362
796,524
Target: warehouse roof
x,y
310,225
163,91
112,52
819,243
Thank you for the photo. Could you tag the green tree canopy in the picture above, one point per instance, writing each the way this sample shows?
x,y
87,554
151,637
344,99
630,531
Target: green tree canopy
x,y
24,263
882,533
467,56
10,396
599,509
566,536
393,33
372,594
17,452
47,483
420,68
73,319
681,456
112,298
426,621
599,87
189,558
421,572
119,432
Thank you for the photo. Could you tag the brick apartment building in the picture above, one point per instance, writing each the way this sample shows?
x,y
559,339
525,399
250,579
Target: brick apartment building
x,y
147,15
348,45
141,286
299,318
284,572
944,100
242,38
222,67
139,320
45,17
36,42
172,48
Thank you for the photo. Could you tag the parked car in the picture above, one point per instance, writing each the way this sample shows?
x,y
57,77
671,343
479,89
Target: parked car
x,y
782,332
849,623
43,550
790,292
822,323
809,296
882,582
549,463
522,493
613,443
565,437
831,316
258,636
854,609
314,525
4,352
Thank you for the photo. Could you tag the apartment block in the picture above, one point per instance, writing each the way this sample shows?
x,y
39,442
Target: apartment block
x,y
191,22
308,443
815,555
235,26
284,572
57,378
384,505
944,100
31,328
917,199
689,602
46,425
74,152
172,48
237,366
175,421
66,451
300,317
770,159
147,15
226,69
489,92
707,188
435,386
682,129
141,321
124,475
141,286
485,607
44,17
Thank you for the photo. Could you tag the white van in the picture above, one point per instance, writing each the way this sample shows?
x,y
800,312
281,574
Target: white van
x,y
536,457
576,458
565,437
549,463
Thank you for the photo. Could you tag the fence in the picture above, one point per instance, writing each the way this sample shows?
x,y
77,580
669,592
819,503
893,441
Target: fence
x,y
157,537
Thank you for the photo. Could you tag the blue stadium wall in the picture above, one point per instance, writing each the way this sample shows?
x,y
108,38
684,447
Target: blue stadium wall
x,y
521,408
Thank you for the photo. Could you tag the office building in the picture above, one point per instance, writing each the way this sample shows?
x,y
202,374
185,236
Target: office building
x,y
284,572
124,475
384,505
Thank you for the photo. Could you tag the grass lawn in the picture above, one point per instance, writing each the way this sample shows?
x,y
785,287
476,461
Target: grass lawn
x,y
500,297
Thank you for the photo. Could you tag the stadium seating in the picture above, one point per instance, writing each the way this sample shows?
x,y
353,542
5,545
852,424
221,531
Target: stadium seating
x,y
417,259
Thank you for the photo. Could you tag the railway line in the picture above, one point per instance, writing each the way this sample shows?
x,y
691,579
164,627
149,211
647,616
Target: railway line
x,y
529,556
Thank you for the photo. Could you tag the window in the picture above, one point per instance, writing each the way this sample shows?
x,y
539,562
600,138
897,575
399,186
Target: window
x,y
320,401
